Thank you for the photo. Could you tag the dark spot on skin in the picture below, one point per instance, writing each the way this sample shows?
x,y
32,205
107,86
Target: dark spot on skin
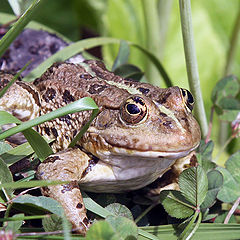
x,y
163,114
79,205
52,159
66,119
67,97
31,91
186,122
69,186
3,83
168,124
96,88
74,133
86,76
144,91
85,221
164,98
54,47
91,163
47,130
54,132
49,94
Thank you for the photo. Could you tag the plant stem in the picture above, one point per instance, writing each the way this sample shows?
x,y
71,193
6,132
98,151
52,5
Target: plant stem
x,y
191,63
233,45
232,210
164,11
223,134
153,32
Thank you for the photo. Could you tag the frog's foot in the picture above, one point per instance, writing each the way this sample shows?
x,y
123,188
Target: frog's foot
x,y
67,165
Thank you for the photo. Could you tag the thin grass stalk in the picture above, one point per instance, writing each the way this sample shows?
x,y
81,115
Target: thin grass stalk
x,y
152,32
191,63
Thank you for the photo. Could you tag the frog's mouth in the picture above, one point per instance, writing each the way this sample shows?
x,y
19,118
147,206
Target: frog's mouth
x,y
151,154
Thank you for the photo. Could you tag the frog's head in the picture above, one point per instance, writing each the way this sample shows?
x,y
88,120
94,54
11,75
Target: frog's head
x,y
158,124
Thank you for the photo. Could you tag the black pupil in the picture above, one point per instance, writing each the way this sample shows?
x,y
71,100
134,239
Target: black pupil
x,y
133,109
190,97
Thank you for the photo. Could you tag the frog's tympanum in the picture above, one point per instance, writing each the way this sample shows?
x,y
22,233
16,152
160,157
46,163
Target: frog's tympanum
x,y
138,135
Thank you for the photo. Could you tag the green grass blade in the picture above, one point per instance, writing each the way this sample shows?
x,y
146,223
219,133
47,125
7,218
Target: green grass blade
x,y
84,129
31,184
15,154
9,37
157,64
77,106
82,45
37,142
6,118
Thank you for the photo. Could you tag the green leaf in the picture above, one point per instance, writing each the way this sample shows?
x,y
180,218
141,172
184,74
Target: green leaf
x,y
226,87
122,56
118,209
42,202
15,225
17,153
52,223
229,103
5,176
230,190
94,207
19,6
175,204
233,165
6,118
231,184
229,115
4,147
222,216
205,155
37,142
100,230
193,185
215,182
124,227
129,71
9,37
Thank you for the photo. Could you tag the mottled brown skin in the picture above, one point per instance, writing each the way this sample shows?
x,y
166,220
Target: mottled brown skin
x,y
138,134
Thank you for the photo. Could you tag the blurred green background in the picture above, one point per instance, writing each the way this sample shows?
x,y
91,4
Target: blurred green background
x,y
213,21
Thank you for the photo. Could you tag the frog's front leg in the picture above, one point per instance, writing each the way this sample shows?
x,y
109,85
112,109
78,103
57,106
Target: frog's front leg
x,y
67,165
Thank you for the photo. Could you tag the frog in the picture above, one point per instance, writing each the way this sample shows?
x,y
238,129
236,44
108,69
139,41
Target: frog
x,y
141,131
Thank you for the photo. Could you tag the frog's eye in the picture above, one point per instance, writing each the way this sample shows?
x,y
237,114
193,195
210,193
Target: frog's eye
x,y
133,110
188,98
